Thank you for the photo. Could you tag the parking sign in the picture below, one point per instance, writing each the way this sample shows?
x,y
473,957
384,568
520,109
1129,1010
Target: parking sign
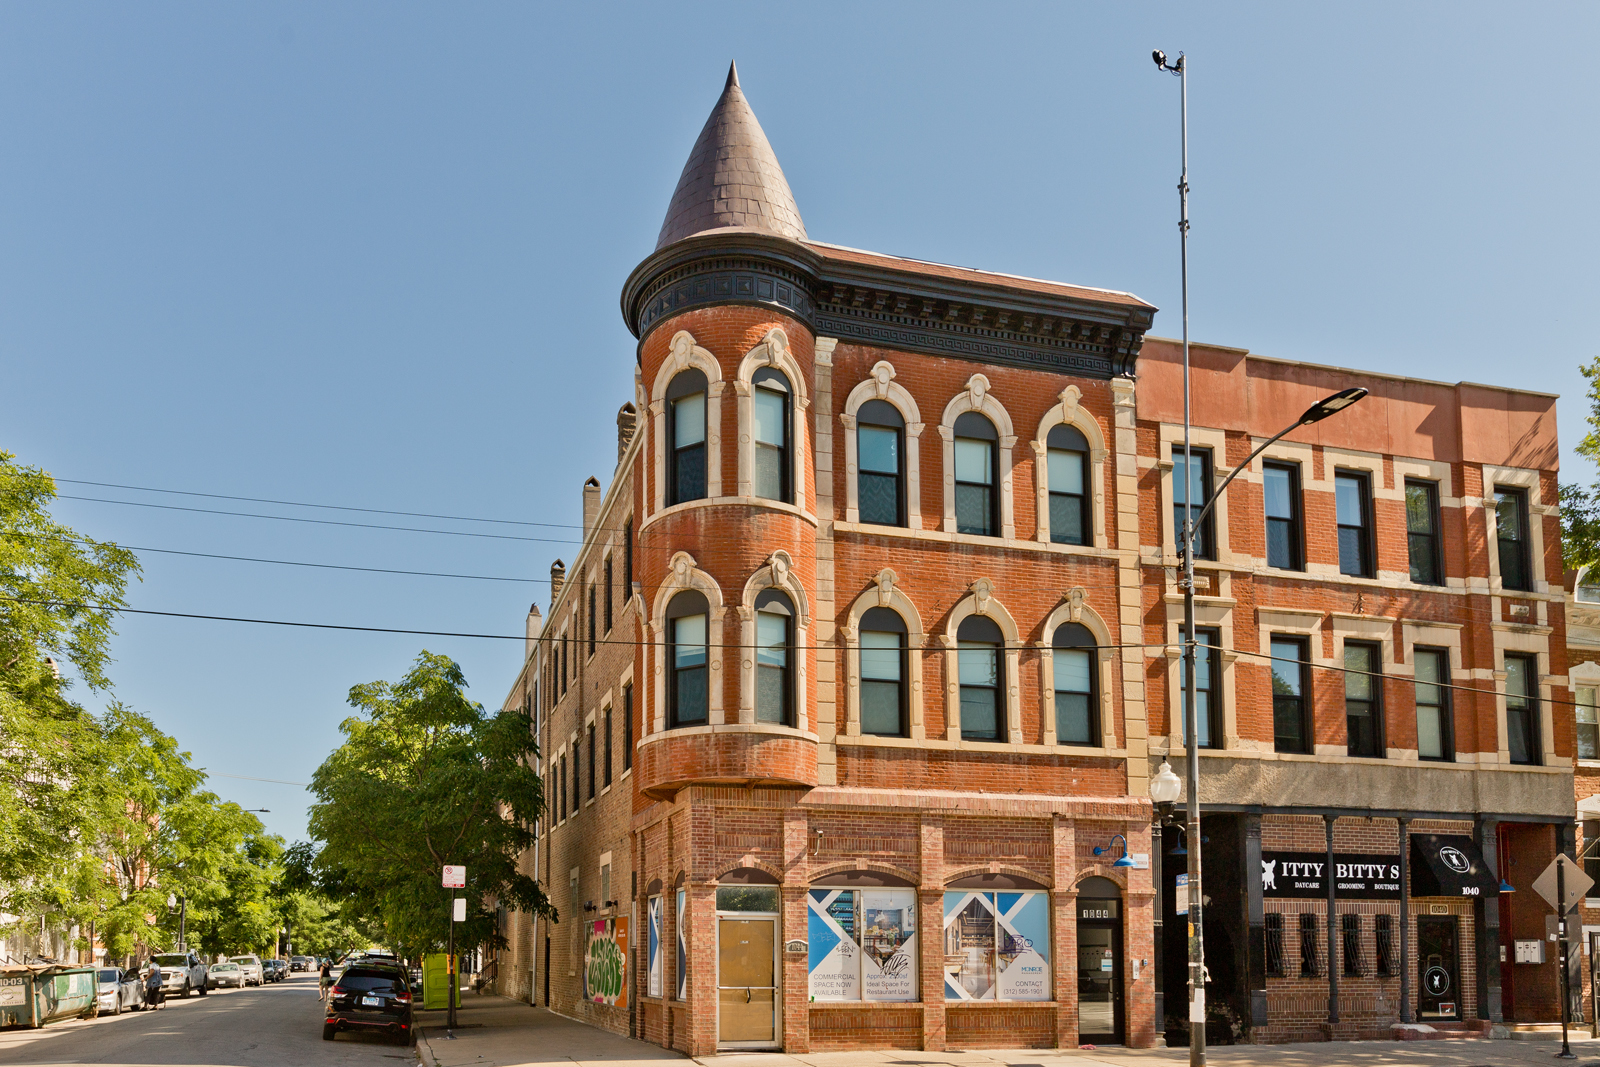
x,y
455,877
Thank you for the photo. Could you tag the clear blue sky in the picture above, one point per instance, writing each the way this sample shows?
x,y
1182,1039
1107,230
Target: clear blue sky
x,y
370,254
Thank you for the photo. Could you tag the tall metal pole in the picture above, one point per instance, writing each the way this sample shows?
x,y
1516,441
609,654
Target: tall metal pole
x,y
1561,932
1191,726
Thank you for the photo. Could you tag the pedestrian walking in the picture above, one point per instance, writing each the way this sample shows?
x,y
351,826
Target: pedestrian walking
x,y
154,995
325,979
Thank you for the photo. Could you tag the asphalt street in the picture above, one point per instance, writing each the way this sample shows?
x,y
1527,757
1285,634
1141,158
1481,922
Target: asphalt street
x,y
277,1025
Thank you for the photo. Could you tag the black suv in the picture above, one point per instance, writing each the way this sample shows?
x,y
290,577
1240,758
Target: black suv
x,y
371,995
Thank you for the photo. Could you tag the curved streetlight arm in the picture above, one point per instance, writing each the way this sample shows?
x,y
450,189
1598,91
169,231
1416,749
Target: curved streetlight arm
x,y
1216,494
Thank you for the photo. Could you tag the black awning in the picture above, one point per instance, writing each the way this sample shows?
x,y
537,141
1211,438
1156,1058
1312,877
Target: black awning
x,y
1449,865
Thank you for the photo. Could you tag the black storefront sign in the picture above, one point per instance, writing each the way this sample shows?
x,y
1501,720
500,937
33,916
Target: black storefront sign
x,y
1449,865
1356,875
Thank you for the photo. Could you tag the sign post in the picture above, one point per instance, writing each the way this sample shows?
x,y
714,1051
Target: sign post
x,y
1563,884
454,878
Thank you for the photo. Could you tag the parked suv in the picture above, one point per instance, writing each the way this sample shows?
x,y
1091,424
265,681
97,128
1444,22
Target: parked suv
x,y
371,995
250,966
301,963
182,973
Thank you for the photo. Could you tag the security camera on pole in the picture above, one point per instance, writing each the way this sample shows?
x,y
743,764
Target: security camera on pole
x,y
454,878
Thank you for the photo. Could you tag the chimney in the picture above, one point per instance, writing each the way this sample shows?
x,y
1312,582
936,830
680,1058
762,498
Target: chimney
x,y
535,624
627,420
558,578
591,505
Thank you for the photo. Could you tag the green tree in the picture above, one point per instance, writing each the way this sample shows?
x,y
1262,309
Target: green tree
x,y
1580,507
426,778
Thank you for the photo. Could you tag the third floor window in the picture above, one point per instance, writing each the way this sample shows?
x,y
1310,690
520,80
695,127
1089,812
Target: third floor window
x,y
1352,500
1511,533
1422,532
686,436
880,462
1067,462
1193,486
977,454
770,401
1281,493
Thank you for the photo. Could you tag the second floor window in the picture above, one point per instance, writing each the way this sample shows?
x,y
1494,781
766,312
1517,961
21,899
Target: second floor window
x,y
774,658
686,437
1077,721
608,746
978,645
1193,486
1432,667
1067,463
688,687
1352,503
1290,728
977,454
1281,492
627,727
1588,728
611,595
1363,705
1522,709
880,463
1511,533
1422,532
769,399
1207,689
883,673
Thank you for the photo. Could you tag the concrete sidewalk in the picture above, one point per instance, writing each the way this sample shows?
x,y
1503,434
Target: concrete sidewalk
x,y
498,1032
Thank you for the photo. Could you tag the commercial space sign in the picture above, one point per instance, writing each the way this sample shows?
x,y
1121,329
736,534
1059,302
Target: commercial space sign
x,y
1355,875
605,964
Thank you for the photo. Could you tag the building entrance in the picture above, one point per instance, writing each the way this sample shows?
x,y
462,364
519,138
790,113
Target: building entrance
x,y
1100,1007
747,991
1438,968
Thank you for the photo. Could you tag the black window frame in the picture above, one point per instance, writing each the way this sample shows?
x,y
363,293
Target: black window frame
x,y
1272,926
1366,563
882,415
1077,637
776,603
1206,536
1069,440
1424,544
880,620
1591,855
762,381
1447,745
1208,680
577,774
1283,704
975,426
594,785
563,785
686,604
611,595
1310,954
1373,651
627,728
686,384
627,559
980,629
594,595
608,735
1521,552
1529,713
1586,735
1294,523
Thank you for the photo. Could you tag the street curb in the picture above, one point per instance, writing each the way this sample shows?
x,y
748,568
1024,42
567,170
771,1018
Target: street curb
x,y
424,1050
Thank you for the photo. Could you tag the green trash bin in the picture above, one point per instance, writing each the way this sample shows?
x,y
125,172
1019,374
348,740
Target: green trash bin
x,y
39,993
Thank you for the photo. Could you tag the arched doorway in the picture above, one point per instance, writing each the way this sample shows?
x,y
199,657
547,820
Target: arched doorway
x,y
1101,1014
747,959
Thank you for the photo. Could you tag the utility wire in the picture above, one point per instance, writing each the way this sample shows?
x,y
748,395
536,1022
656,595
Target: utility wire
x,y
328,566
247,778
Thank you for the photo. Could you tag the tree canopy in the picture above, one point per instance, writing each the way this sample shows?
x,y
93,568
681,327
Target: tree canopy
x,y
1580,507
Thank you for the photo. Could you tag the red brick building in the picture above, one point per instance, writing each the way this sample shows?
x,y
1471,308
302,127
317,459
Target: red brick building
x,y
850,701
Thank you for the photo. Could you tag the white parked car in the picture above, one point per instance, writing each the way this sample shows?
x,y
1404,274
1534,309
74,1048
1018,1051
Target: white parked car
x,y
119,990
223,975
250,967
182,973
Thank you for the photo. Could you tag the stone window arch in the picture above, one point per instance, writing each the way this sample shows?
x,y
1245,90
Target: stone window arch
x,y
684,354
777,574
1069,413
773,356
884,594
880,385
976,397
685,575
1074,609
980,601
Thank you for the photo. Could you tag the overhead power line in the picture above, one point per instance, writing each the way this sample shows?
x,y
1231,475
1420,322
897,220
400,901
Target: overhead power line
x,y
330,566
247,778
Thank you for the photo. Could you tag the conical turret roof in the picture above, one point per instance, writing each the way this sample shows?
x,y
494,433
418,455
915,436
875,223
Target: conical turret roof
x,y
732,179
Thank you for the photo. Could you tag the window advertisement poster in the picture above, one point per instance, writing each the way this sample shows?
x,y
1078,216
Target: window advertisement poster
x,y
834,958
605,970
653,920
889,944
997,946
683,949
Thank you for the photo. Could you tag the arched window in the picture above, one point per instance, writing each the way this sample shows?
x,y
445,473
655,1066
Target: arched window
x,y
1067,457
688,619
774,658
880,462
977,454
1074,669
686,434
883,673
978,645
770,401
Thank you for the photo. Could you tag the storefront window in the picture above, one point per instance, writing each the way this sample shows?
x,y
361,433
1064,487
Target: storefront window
x,y
654,953
996,946
747,898
683,950
863,944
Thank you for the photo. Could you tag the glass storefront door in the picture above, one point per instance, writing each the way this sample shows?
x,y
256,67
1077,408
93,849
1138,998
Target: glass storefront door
x,y
1100,978
1438,968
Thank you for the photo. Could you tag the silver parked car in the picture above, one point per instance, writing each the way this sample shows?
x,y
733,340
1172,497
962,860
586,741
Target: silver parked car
x,y
251,966
225,976
119,990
